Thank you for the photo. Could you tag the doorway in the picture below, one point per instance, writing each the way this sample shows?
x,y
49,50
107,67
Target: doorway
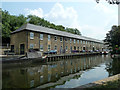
x,y
22,48
12,48
83,48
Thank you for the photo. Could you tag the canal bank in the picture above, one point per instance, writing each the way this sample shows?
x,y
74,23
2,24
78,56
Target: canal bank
x,y
103,82
53,57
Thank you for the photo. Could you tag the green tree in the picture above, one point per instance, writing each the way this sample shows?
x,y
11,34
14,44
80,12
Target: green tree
x,y
113,38
10,23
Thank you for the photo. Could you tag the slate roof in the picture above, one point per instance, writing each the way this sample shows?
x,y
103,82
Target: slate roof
x,y
37,28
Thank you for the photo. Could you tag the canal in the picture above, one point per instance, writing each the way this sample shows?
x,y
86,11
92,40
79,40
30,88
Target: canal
x,y
67,73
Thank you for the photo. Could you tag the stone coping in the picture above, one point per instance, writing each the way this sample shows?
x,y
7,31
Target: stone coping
x,y
101,82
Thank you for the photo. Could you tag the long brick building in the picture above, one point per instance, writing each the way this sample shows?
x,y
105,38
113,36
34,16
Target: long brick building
x,y
45,39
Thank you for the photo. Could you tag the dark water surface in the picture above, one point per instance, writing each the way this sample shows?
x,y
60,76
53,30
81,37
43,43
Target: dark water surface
x,y
68,73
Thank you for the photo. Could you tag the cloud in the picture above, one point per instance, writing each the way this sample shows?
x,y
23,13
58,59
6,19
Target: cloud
x,y
109,12
94,31
103,8
64,16
38,12
87,1
58,15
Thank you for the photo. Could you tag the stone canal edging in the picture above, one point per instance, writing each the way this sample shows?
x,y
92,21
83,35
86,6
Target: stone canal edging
x,y
101,82
16,58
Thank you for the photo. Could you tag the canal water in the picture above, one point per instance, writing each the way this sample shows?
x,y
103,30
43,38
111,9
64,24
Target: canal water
x,y
67,73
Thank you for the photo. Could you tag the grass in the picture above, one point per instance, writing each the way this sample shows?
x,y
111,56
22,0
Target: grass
x,y
113,84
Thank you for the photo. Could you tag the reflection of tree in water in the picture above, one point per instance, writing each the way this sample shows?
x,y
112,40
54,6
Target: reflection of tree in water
x,y
113,67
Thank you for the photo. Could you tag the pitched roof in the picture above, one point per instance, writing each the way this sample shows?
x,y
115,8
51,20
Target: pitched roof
x,y
37,28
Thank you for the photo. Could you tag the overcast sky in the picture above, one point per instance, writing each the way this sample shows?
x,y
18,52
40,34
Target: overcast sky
x,y
92,19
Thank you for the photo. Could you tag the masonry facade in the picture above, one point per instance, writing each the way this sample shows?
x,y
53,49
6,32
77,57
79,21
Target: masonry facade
x,y
45,39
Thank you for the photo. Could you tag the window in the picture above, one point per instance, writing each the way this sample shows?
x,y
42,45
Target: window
x,y
66,48
55,38
74,40
78,41
41,47
66,39
70,40
48,37
61,47
12,48
48,47
74,47
81,41
41,79
61,39
31,83
31,45
55,47
31,35
41,36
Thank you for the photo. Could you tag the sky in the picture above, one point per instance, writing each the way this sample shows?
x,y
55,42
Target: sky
x,y
92,19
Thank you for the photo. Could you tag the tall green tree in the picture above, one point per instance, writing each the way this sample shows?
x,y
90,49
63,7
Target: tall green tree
x,y
10,23
113,38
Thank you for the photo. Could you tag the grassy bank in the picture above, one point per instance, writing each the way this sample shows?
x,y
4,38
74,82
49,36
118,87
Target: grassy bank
x,y
112,84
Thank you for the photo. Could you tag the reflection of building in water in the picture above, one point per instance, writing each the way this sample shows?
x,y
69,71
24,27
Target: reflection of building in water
x,y
42,74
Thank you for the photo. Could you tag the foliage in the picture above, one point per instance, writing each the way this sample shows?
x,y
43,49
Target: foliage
x,y
11,22
111,1
108,85
113,67
113,38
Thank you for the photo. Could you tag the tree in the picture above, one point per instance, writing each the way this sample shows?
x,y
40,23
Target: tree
x,y
111,1
10,23
113,38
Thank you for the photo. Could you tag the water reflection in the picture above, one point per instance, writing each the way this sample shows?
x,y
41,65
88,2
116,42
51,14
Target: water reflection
x,y
113,67
53,73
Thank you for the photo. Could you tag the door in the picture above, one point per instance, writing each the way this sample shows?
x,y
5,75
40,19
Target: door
x,y
12,48
22,49
74,47
83,48
93,49
71,49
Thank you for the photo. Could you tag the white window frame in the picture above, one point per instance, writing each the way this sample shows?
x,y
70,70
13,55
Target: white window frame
x,y
31,46
41,36
74,41
66,39
55,47
61,39
81,41
70,40
78,41
66,48
55,37
31,35
41,46
48,37
49,48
